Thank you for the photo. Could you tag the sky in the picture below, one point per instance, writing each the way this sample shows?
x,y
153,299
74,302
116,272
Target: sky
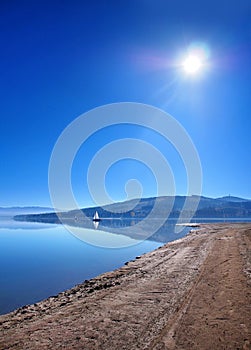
x,y
60,59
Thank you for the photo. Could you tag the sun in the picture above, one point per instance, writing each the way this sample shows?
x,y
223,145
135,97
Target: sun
x,y
192,64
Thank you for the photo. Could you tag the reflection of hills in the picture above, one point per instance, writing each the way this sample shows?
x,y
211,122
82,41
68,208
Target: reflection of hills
x,y
129,228
7,222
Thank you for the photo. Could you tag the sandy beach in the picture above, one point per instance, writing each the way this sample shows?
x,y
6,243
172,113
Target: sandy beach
x,y
193,293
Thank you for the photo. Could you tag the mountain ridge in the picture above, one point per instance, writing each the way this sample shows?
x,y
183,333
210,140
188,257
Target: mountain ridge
x,y
207,208
15,210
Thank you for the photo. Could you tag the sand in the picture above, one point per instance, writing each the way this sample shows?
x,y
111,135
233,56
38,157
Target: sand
x,y
193,293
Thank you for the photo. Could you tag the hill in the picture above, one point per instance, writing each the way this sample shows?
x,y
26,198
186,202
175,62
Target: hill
x,y
12,211
139,209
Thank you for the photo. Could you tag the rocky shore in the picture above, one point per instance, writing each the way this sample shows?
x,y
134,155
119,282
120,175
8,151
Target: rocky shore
x,y
193,293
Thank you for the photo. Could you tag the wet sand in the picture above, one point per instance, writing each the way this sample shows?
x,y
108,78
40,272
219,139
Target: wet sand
x,y
193,293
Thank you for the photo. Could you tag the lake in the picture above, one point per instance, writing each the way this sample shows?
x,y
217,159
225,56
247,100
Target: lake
x,y
40,260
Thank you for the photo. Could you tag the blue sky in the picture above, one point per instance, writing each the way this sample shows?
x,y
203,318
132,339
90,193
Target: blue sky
x,y
60,59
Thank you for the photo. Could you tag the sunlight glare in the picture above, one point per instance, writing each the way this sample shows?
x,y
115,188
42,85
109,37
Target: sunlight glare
x,y
192,64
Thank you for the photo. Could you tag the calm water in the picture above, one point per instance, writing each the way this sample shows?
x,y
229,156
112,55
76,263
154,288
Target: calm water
x,y
40,260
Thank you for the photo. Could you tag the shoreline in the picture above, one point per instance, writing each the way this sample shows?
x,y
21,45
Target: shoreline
x,y
144,303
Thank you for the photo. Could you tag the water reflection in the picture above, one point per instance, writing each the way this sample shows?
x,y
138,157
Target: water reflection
x,y
38,260
96,224
165,233
126,231
7,222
